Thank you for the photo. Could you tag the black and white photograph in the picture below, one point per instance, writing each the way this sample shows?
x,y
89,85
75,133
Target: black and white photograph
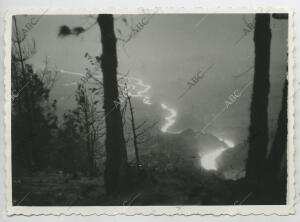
x,y
150,109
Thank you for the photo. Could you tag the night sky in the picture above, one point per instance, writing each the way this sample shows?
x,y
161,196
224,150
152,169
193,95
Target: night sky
x,y
165,55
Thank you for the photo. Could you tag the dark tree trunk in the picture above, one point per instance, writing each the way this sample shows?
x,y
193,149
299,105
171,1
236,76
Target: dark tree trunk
x,y
116,154
279,146
258,130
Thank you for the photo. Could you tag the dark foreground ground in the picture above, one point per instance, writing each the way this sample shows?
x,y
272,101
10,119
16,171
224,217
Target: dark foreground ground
x,y
155,188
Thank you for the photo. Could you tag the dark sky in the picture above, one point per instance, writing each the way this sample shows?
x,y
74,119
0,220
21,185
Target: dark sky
x,y
166,54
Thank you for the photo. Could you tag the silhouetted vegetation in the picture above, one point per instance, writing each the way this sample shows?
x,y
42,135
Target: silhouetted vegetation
x,y
33,112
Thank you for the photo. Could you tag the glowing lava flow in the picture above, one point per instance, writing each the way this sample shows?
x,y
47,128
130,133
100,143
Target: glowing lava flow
x,y
137,88
132,86
170,120
141,93
209,161
229,143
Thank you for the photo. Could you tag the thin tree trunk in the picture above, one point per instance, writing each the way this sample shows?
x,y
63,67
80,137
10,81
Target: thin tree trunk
x,y
88,140
28,104
116,154
20,50
134,134
279,146
258,130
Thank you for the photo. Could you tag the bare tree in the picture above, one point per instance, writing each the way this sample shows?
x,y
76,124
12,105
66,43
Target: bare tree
x,y
90,121
135,143
140,132
116,154
47,75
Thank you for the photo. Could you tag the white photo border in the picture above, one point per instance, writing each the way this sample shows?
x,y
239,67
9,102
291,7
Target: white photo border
x,y
287,209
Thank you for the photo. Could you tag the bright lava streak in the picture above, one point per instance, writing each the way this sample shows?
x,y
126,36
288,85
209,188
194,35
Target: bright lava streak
x,y
170,120
137,88
141,93
136,83
208,161
229,143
